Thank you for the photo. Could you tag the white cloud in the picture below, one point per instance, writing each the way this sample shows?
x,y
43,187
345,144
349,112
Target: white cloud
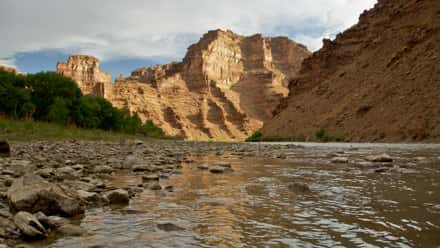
x,y
145,28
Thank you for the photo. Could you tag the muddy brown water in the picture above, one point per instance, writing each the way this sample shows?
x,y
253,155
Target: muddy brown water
x,y
349,205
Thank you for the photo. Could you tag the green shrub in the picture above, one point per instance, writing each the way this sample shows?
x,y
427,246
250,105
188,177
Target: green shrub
x,y
323,136
151,130
255,137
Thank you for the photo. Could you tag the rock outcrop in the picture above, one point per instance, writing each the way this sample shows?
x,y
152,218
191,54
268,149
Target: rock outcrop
x,y
8,69
379,80
225,88
32,193
85,71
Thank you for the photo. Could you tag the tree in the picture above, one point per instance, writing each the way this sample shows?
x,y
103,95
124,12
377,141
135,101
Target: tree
x,y
15,100
46,86
59,111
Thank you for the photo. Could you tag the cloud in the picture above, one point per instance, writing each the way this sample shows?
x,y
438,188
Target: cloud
x,y
110,29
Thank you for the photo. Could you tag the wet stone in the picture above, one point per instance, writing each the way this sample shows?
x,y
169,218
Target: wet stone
x,y
222,164
203,167
150,177
141,167
155,186
5,150
219,169
339,160
168,226
118,196
299,188
29,225
71,230
382,158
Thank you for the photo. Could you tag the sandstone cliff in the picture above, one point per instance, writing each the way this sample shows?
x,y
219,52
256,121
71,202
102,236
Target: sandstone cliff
x,y
85,71
8,69
225,88
379,80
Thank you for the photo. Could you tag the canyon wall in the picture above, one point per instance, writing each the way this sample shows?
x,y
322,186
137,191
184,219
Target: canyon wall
x,y
225,88
377,81
85,71
8,69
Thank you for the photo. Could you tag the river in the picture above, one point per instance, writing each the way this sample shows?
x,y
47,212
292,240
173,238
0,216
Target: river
x,y
352,204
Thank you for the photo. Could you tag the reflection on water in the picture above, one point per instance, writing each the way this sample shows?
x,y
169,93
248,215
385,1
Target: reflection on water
x,y
349,205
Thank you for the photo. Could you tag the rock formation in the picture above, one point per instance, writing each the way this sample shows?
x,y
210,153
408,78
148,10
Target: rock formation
x,y
225,88
8,69
85,71
379,80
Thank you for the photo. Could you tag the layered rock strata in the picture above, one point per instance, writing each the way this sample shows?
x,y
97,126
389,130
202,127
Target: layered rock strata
x,y
8,69
225,88
85,71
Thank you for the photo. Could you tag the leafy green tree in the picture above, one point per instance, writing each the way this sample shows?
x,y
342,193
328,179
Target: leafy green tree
x,y
46,86
15,100
59,111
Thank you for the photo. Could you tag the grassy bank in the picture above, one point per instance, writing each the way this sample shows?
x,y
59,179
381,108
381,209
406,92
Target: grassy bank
x,y
27,130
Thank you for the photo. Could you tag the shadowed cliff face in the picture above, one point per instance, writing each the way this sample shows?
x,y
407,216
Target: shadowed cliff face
x,y
379,80
225,88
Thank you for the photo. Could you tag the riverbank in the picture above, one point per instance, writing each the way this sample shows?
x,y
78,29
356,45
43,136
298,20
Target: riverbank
x,y
29,130
84,173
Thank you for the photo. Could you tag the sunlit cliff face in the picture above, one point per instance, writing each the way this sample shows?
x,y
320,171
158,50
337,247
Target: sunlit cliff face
x,y
224,89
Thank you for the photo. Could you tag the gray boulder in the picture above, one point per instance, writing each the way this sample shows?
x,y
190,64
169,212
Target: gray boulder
x,y
29,225
32,193
118,196
5,150
8,229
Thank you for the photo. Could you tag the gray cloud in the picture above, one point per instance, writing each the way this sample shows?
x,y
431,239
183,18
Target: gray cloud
x,y
145,28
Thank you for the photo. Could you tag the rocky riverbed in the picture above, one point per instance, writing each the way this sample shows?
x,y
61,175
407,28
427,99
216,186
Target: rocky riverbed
x,y
50,190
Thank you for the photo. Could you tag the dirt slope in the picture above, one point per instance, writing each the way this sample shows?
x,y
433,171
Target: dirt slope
x,y
377,81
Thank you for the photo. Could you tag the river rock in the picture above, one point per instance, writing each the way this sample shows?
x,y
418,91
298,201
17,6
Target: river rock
x,y
71,230
150,177
52,222
339,160
66,173
219,169
8,229
222,164
46,172
32,193
90,197
299,188
5,149
118,196
104,169
203,167
141,167
382,158
55,222
29,225
155,186
168,226
381,169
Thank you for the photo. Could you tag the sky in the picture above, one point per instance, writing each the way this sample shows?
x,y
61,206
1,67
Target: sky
x,y
129,34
